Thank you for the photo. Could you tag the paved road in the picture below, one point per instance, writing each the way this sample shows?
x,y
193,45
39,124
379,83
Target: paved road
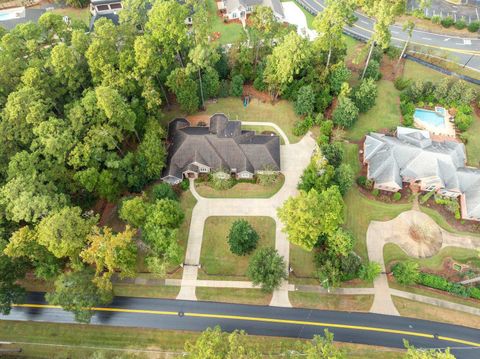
x,y
365,328
458,49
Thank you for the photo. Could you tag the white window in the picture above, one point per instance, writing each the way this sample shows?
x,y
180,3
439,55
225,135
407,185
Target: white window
x,y
204,169
234,15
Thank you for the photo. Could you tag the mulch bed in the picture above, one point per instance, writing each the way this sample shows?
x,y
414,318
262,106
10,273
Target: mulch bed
x,y
249,90
467,226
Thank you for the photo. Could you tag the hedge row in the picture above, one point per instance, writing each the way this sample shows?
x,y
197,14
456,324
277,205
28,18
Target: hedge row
x,y
437,282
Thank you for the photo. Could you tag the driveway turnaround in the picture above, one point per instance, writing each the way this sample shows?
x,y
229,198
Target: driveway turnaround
x,y
364,328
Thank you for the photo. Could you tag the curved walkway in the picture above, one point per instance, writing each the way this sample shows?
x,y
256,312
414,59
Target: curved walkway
x,y
294,159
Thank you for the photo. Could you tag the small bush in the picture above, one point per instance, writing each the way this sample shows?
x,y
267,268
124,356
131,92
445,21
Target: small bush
x,y
460,24
397,196
426,197
362,181
164,190
376,192
401,83
185,185
236,87
447,22
406,273
373,71
436,19
221,181
301,127
267,178
474,26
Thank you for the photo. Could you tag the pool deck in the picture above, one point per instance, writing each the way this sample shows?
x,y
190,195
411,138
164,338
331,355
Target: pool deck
x,y
447,131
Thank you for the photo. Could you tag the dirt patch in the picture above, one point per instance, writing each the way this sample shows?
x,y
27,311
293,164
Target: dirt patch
x,y
197,120
109,215
249,90
389,69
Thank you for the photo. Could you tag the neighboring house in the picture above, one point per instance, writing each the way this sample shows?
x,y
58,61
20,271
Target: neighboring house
x,y
111,8
239,9
413,157
223,148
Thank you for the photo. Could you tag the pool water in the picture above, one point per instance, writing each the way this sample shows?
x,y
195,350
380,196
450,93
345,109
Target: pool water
x,y
431,118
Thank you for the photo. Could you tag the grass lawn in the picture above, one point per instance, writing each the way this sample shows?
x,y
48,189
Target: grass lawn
x,y
302,263
385,113
351,156
359,211
442,222
280,113
416,71
216,258
241,190
145,291
52,340
392,252
229,33
75,14
414,309
234,295
187,202
473,144
351,303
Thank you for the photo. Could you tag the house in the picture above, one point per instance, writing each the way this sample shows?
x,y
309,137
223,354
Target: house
x,y
413,157
110,9
222,148
239,9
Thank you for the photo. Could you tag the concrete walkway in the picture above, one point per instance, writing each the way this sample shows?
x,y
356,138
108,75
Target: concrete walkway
x,y
294,159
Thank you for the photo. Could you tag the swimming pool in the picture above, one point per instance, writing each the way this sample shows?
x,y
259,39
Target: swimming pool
x,y
10,14
431,118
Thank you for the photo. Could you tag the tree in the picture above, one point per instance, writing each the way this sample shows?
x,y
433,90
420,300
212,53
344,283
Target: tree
x,y
151,153
110,253
329,274
165,213
365,95
286,61
305,103
215,344
346,113
64,233
340,243
339,74
76,293
322,348
370,271
12,270
185,89
236,86
406,273
134,211
413,353
310,215
134,13
242,238
318,177
344,178
267,269
333,152
164,190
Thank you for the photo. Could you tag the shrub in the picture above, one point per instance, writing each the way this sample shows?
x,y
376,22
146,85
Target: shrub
x,y
133,211
224,89
318,119
236,87
406,273
242,238
460,24
221,181
447,22
301,127
164,190
333,152
376,192
373,70
365,95
350,266
338,75
346,113
305,102
474,292
267,178
426,197
370,271
326,128
436,19
401,83
397,196
474,26
362,181
267,268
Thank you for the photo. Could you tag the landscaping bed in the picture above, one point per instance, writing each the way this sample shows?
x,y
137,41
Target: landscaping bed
x,y
216,259
242,189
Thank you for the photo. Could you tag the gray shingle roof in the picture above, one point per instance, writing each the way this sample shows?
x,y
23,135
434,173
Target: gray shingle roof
x,y
223,145
413,154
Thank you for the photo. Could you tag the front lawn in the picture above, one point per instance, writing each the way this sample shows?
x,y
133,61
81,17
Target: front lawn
x,y
393,253
240,190
303,265
280,113
351,303
234,295
384,115
216,259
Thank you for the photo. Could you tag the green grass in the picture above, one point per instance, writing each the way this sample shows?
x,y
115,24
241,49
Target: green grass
x,y
442,222
351,303
216,258
234,295
473,144
229,33
360,211
280,113
75,14
392,252
414,309
351,156
75,341
187,202
303,265
384,115
241,190
145,291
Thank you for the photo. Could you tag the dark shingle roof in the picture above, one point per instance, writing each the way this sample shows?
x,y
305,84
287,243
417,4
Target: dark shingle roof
x,y
223,145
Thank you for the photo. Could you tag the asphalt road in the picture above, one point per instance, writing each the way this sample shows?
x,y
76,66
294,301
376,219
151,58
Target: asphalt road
x,y
364,328
460,50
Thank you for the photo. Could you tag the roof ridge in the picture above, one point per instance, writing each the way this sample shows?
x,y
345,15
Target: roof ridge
x,y
215,150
